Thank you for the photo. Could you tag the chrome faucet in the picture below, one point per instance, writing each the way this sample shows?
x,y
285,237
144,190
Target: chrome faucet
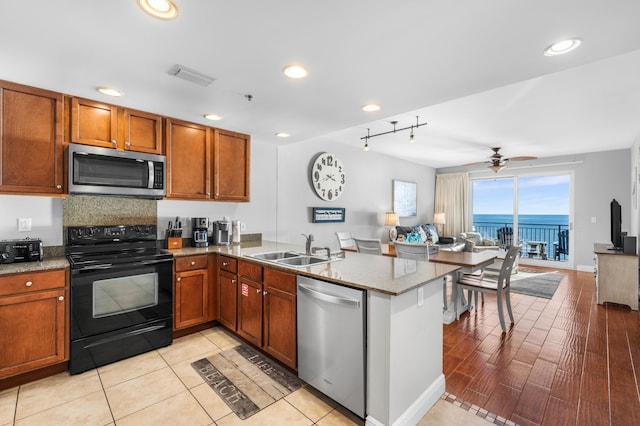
x,y
309,239
315,250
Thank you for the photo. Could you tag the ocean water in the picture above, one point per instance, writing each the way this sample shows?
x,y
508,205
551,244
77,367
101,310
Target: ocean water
x,y
543,220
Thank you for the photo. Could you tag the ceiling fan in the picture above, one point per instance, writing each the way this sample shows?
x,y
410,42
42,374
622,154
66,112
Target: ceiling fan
x,y
497,161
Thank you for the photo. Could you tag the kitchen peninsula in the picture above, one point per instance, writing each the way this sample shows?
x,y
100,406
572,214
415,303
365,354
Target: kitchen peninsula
x,y
404,324
404,320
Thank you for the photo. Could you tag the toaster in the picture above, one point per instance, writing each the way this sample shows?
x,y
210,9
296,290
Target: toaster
x,y
28,250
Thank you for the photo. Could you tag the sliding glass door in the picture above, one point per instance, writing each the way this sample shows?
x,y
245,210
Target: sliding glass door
x,y
534,211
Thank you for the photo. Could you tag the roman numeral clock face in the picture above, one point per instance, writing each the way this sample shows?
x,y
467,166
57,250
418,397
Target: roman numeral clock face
x,y
328,176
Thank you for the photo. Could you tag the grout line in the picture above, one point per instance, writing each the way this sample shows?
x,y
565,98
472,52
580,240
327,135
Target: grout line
x,y
478,411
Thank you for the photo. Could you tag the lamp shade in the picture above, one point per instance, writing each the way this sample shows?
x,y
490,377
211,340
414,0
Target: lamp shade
x,y
391,219
439,218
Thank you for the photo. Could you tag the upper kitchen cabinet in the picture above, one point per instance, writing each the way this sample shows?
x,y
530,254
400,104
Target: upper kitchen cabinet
x,y
98,124
188,150
31,147
231,163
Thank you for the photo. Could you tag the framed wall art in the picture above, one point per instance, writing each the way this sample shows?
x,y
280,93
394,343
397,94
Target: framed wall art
x,y
328,214
405,198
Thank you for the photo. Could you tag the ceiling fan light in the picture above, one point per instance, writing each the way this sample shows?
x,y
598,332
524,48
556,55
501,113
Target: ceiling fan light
x,y
562,47
411,138
366,146
496,168
163,9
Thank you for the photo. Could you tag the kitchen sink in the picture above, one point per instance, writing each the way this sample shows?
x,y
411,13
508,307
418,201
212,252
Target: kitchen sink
x,y
291,258
276,255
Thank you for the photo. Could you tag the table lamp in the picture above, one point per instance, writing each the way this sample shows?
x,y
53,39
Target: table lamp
x,y
439,219
391,219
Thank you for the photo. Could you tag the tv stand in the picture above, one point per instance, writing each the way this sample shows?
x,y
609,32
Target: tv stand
x,y
616,276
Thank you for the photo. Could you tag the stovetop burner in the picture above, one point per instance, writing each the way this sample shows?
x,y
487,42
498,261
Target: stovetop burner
x,y
92,246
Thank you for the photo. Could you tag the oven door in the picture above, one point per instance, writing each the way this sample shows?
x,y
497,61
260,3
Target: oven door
x,y
113,297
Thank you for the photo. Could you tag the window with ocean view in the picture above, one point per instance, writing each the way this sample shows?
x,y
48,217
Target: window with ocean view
x,y
539,220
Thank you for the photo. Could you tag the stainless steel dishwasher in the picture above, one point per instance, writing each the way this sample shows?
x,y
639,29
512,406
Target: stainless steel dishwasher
x,y
331,341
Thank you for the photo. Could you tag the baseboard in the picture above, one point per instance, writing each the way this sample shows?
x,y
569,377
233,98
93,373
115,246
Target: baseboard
x,y
419,408
585,268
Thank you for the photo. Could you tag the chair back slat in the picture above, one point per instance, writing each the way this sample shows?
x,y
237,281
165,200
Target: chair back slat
x,y
369,245
412,251
345,239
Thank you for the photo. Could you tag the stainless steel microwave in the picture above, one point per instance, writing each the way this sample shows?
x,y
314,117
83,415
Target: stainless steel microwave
x,y
106,171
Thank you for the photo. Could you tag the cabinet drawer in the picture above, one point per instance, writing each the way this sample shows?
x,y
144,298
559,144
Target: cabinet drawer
x,y
190,263
34,281
281,280
250,270
228,264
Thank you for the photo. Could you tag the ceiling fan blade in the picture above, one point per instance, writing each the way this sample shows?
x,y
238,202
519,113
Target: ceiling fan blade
x,y
477,162
523,158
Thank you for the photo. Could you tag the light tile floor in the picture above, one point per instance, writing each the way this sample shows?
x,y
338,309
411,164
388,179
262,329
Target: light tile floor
x,y
161,388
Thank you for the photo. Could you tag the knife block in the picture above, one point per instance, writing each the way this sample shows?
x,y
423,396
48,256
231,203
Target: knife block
x,y
174,242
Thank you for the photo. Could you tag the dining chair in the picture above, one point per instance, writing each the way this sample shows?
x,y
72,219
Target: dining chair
x,y
369,245
500,287
345,239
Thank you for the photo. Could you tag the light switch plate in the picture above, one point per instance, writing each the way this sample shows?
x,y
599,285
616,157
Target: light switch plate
x,y
420,296
24,224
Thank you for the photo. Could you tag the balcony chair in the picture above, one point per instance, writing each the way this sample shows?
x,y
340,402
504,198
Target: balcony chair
x,y
345,239
500,287
369,245
562,245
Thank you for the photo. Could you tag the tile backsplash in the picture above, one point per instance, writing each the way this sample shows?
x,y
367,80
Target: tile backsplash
x,y
86,210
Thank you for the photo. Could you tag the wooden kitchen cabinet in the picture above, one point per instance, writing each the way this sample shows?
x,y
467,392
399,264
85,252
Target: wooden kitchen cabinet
x,y
33,317
31,140
188,150
279,312
99,124
231,165
250,302
193,290
227,292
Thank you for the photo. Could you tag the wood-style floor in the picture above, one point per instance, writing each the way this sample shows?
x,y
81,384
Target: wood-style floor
x,y
566,361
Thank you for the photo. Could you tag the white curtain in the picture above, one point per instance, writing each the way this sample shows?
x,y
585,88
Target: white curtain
x,y
453,199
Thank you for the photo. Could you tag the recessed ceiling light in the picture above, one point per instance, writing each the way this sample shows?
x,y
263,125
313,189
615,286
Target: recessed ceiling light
x,y
282,135
562,47
109,91
295,71
371,107
163,9
213,117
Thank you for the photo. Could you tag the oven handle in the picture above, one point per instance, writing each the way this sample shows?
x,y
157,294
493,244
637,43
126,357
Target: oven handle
x,y
154,262
92,267
125,335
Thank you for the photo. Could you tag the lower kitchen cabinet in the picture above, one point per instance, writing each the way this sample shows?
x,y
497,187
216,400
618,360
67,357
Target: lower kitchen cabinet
x,y
279,324
250,302
33,320
227,292
193,290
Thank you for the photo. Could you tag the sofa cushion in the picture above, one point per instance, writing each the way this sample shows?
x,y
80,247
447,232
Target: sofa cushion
x,y
432,232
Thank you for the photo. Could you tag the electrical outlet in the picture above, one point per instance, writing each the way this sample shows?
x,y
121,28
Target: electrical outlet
x,y
243,226
420,296
594,219
24,224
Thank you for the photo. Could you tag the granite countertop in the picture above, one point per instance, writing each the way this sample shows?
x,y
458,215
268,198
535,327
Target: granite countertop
x,y
383,274
58,262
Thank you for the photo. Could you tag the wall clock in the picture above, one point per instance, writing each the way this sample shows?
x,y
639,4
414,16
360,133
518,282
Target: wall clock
x,y
328,176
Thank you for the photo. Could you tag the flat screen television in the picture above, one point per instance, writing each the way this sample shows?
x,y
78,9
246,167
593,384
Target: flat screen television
x,y
616,225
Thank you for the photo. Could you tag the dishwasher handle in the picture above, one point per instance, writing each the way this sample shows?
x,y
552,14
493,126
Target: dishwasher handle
x,y
336,300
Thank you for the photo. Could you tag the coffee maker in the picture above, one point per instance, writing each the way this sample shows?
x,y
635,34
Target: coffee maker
x,y
222,232
200,231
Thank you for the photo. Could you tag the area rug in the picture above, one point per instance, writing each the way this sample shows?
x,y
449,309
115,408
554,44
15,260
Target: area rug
x,y
533,283
246,380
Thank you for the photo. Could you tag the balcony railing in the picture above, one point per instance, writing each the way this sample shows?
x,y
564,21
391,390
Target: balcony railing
x,y
530,232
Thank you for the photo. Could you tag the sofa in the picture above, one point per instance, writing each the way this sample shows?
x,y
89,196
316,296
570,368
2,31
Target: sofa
x,y
475,243
429,232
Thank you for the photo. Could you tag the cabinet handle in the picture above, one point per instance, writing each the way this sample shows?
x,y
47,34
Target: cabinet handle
x,y
58,186
217,194
29,283
179,279
225,263
264,293
193,262
127,144
208,194
233,281
61,298
114,143
257,290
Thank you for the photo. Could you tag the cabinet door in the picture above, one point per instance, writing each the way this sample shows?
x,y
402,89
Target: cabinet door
x,y
94,123
231,162
142,132
31,149
227,299
250,311
280,325
188,160
191,298
33,331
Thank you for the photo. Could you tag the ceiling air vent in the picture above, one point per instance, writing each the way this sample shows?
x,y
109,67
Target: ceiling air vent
x,y
191,75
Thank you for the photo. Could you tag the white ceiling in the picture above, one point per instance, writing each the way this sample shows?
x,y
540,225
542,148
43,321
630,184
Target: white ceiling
x,y
474,70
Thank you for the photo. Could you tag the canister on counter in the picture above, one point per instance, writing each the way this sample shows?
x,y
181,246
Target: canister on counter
x,y
235,232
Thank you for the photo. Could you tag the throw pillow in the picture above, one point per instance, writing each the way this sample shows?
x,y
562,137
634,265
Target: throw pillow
x,y
431,232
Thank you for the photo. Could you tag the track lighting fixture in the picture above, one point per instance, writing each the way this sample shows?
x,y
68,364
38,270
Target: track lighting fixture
x,y
394,123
